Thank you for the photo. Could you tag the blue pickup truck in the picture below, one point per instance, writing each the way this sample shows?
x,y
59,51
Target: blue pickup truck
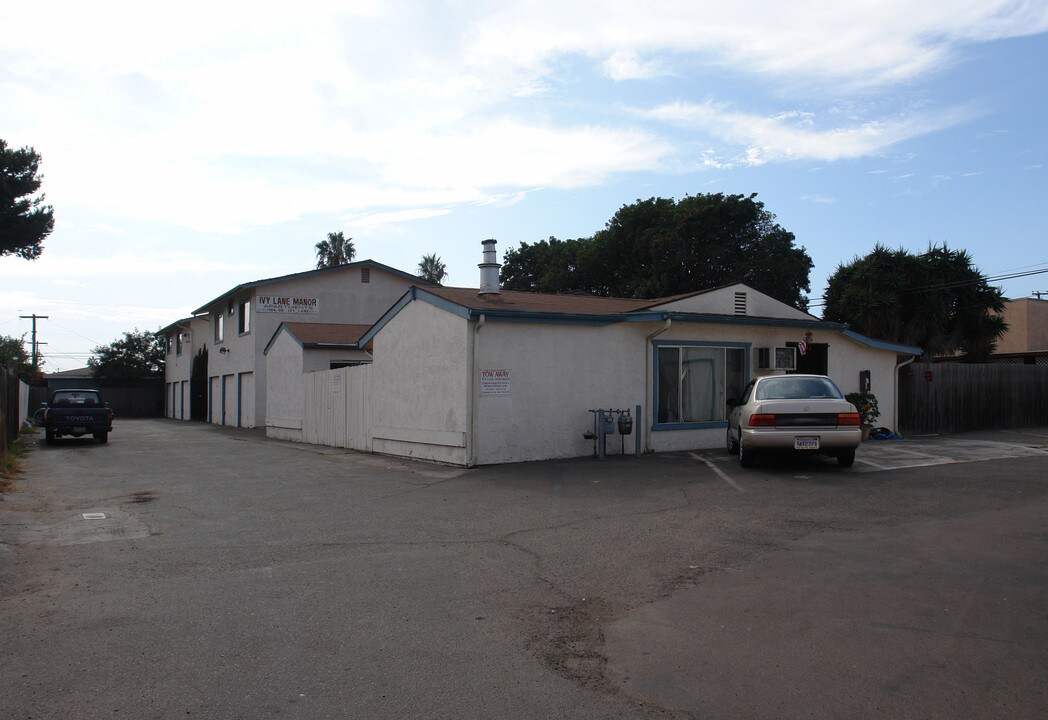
x,y
77,413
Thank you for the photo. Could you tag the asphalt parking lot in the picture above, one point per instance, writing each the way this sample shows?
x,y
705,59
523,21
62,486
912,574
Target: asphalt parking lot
x,y
228,576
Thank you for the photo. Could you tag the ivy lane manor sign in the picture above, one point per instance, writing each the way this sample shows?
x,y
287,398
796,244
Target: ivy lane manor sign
x,y
288,304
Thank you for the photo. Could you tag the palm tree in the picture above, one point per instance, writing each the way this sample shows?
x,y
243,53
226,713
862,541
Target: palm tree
x,y
432,268
336,250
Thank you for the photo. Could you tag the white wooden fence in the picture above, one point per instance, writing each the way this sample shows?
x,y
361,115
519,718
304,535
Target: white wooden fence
x,y
337,408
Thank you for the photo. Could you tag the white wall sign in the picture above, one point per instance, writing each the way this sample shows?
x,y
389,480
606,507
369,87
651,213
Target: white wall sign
x,y
289,304
494,382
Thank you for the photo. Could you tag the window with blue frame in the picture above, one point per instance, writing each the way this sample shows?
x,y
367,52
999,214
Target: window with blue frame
x,y
694,381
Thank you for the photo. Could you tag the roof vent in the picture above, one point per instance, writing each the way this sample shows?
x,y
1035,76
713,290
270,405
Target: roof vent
x,y
740,303
489,269
365,274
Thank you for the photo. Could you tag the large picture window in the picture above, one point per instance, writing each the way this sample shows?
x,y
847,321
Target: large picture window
x,y
693,382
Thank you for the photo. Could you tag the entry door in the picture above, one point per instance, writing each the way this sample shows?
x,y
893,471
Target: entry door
x,y
816,361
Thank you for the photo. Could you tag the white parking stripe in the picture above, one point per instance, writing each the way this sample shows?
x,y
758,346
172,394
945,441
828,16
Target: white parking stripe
x,y
927,456
717,470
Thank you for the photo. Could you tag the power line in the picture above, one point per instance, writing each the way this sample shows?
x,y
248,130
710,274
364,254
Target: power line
x,y
75,332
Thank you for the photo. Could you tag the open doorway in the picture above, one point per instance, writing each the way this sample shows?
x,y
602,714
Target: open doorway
x,y
815,360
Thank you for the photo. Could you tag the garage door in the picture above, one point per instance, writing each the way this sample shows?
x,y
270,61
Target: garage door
x,y
247,399
229,400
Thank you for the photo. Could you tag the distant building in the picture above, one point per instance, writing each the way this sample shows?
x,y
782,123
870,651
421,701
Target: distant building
x,y
1027,320
75,378
234,329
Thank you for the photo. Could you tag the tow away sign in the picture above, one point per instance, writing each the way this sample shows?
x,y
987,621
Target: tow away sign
x,y
494,383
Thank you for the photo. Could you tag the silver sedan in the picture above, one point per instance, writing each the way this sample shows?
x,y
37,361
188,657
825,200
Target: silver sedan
x,y
793,413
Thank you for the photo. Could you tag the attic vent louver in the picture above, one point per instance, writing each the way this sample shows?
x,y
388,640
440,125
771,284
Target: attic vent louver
x,y
365,274
740,303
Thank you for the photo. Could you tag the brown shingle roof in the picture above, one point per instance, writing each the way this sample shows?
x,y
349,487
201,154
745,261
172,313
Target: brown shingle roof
x,y
326,333
545,302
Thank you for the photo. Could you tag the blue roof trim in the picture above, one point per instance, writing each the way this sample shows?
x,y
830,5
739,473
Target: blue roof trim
x,y
387,316
814,323
530,316
273,339
882,344
439,302
184,322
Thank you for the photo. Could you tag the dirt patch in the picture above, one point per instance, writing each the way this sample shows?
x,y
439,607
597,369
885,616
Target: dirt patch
x,y
570,641
143,496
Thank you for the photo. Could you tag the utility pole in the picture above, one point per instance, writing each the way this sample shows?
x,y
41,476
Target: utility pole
x,y
1039,294
36,353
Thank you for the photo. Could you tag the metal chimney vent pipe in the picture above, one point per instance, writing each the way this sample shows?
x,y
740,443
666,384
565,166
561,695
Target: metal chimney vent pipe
x,y
489,269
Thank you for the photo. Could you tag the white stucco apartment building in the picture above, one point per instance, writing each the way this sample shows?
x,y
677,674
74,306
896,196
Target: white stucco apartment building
x,y
183,340
474,377
236,326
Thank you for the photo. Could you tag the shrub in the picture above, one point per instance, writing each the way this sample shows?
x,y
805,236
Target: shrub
x,y
866,402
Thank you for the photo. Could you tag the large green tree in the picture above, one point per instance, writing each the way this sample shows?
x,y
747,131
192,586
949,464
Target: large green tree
x,y
659,247
937,300
136,356
14,355
336,250
548,266
24,218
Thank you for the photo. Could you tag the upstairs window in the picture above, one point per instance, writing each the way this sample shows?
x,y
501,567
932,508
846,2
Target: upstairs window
x,y
220,327
244,313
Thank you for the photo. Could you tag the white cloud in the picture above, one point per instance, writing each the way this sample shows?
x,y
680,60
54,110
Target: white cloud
x,y
627,65
382,219
861,43
237,116
776,138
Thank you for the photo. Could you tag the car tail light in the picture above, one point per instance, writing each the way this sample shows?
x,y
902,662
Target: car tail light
x,y
848,420
759,420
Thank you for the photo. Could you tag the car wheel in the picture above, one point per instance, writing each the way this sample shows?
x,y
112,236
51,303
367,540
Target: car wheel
x,y
102,437
733,447
746,456
846,458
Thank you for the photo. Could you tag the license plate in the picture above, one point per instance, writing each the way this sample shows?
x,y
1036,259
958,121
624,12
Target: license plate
x,y
80,430
806,443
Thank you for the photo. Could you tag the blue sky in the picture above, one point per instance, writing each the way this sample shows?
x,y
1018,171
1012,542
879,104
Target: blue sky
x,y
190,149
